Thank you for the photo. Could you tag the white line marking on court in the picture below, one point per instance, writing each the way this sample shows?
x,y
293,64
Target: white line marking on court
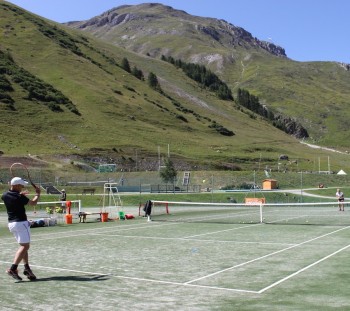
x,y
265,256
211,217
140,279
190,283
220,231
45,236
302,270
187,239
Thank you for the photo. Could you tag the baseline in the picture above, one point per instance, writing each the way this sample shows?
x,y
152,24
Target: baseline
x,y
139,279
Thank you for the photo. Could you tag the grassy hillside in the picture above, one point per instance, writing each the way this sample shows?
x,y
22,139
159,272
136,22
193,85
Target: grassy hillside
x,y
111,116
315,93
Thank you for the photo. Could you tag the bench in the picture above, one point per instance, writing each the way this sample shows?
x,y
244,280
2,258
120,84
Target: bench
x,y
89,190
82,215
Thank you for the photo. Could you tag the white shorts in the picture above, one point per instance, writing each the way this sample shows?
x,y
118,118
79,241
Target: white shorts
x,y
21,231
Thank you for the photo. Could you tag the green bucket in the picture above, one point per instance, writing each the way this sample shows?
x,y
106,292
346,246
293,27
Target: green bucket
x,y
121,215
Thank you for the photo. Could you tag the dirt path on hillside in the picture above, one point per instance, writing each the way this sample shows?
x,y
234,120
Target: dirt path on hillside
x,y
323,148
307,194
29,161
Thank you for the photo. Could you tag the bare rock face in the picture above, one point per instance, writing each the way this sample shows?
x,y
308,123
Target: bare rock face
x,y
345,66
111,20
291,127
142,19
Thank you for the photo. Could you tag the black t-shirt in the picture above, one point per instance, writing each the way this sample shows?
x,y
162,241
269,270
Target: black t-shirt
x,y
15,202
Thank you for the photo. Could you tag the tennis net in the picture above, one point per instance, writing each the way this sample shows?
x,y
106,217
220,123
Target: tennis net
x,y
319,213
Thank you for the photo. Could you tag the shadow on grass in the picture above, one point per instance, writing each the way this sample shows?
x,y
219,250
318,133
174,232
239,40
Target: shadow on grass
x,y
74,278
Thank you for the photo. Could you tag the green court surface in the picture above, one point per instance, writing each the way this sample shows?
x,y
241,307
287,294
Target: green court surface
x,y
140,265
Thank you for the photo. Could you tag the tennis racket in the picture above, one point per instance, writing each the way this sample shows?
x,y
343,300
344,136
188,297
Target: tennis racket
x,y
20,170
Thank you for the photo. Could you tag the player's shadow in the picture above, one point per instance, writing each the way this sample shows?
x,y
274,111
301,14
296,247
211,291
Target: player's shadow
x,y
75,278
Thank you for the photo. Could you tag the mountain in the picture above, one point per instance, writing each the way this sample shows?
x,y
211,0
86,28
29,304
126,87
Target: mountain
x,y
66,96
314,93
136,27
166,21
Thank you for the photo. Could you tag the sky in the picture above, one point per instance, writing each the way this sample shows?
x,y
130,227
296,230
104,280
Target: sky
x,y
308,30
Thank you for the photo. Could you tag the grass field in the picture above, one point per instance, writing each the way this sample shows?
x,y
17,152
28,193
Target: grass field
x,y
140,265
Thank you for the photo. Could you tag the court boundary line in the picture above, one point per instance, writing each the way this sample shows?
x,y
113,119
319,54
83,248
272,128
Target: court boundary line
x,y
45,236
190,283
140,279
303,269
265,256
220,231
198,285
191,239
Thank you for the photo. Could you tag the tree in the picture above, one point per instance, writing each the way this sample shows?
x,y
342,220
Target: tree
x,y
153,82
168,173
137,73
125,64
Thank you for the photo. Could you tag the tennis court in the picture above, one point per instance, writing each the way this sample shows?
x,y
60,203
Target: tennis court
x,y
179,265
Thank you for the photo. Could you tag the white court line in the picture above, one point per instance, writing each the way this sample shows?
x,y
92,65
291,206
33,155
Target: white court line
x,y
242,227
81,232
302,270
73,233
139,279
220,231
265,256
189,283
211,217
187,239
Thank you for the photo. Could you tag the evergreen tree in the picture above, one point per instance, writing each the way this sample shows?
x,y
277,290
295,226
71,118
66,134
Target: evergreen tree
x,y
125,64
137,73
203,76
153,82
168,173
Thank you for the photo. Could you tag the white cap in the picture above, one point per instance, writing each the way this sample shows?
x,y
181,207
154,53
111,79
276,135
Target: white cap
x,y
18,181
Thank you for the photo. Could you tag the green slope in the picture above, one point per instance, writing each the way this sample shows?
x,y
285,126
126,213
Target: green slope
x,y
117,117
314,93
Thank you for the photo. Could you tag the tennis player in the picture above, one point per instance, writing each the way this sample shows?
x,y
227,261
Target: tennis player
x,y
340,196
15,200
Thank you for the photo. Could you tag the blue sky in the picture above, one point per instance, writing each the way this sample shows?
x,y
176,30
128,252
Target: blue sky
x,y
308,30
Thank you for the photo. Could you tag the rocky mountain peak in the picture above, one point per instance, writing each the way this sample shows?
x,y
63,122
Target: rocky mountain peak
x,y
143,17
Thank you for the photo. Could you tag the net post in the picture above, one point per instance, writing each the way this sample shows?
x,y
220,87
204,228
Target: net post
x,y
79,205
167,207
261,213
140,209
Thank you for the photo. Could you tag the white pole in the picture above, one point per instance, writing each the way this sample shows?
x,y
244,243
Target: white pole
x,y
329,166
254,183
301,186
136,161
158,158
259,162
